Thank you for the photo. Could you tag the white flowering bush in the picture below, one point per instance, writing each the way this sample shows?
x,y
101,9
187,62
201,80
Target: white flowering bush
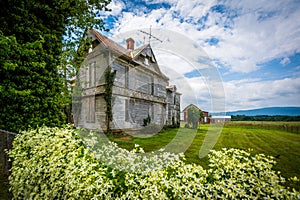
x,y
237,174
53,163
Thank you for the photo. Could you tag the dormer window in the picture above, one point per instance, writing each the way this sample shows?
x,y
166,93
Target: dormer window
x,y
90,49
146,62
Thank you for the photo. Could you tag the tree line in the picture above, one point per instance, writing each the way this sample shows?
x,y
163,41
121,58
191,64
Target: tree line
x,y
265,118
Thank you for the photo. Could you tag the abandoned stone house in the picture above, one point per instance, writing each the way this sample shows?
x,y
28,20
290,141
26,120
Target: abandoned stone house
x,y
140,89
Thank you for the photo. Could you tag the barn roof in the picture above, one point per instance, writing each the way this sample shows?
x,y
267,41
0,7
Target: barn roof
x,y
193,105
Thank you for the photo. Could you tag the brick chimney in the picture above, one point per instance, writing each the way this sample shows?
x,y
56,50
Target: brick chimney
x,y
130,44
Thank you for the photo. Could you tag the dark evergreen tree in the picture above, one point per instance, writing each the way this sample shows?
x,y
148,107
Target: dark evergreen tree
x,y
38,38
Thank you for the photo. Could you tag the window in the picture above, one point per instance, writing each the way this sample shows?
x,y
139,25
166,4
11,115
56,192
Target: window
x,y
92,74
146,62
152,107
126,77
126,110
143,82
90,113
152,86
87,76
120,79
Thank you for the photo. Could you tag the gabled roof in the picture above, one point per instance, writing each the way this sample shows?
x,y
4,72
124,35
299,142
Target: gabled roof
x,y
191,105
139,50
129,54
116,47
111,44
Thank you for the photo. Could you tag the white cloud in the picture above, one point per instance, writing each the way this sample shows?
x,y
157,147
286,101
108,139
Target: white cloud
x,y
248,35
234,95
249,41
199,91
169,62
255,94
285,61
116,7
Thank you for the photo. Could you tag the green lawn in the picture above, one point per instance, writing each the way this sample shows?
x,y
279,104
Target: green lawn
x,y
283,145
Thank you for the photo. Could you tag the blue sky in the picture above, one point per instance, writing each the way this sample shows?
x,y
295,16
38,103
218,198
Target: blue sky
x,y
254,45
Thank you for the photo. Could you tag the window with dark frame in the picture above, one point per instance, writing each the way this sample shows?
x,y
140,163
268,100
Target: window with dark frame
x,y
90,115
126,110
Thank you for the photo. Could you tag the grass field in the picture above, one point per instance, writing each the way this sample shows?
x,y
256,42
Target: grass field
x,y
292,127
283,145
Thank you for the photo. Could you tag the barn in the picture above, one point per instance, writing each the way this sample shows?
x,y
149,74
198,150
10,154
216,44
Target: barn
x,y
204,120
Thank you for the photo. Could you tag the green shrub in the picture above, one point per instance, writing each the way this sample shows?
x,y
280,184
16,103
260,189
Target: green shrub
x,y
52,163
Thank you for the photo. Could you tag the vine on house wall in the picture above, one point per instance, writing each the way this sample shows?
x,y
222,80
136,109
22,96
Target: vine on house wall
x,y
109,79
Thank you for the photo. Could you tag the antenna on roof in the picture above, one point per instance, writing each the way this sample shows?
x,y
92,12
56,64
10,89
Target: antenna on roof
x,y
150,35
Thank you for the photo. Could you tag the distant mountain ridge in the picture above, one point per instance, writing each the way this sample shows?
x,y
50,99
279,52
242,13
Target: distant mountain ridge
x,y
271,111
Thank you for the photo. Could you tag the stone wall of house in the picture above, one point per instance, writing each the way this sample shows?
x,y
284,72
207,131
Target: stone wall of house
x,y
138,92
93,68
139,110
91,76
120,114
130,113
87,118
121,78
